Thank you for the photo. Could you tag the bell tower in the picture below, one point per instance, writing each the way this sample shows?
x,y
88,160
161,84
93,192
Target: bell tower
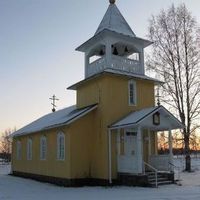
x,y
114,47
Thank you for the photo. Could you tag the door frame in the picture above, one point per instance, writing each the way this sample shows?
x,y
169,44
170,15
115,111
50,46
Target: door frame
x,y
124,160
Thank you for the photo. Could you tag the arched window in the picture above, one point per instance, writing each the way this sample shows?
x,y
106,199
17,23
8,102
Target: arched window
x,y
43,148
19,150
60,146
29,149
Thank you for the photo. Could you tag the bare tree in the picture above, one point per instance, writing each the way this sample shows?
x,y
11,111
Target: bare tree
x,y
177,141
194,142
162,142
6,143
175,57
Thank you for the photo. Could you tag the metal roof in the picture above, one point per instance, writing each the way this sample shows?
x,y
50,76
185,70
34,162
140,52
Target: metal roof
x,y
55,119
116,73
114,21
137,117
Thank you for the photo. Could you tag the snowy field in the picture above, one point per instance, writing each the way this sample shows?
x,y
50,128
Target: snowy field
x,y
14,188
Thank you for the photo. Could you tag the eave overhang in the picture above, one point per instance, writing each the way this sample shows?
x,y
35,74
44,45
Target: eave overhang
x,y
132,120
114,73
144,43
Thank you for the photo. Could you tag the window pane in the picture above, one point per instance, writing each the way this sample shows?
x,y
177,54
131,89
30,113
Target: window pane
x,y
18,150
43,148
60,146
29,149
132,93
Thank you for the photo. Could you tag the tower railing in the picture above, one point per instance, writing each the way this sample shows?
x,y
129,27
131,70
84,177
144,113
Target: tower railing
x,y
97,66
116,63
125,64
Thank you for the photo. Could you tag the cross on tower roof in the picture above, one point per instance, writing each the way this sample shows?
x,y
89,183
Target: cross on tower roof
x,y
54,99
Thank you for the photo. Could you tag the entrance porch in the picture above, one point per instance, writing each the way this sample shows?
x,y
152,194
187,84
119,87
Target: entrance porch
x,y
137,145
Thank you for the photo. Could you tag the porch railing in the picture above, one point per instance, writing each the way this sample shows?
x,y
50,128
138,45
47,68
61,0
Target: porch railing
x,y
176,170
153,170
160,162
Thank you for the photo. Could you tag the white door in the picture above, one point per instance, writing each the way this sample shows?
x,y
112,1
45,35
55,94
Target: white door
x,y
127,162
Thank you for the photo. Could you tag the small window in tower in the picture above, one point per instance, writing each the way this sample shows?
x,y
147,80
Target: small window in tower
x,y
132,92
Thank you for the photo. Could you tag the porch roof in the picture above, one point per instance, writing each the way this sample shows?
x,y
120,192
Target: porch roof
x,y
144,118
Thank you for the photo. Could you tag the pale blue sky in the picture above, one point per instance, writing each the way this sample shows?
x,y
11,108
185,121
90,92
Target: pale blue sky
x,y
37,42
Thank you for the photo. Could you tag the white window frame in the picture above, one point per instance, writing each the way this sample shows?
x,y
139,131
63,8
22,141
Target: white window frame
x,y
132,98
43,148
29,149
19,150
60,146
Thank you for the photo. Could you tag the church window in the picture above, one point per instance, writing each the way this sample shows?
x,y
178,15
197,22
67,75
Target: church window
x,y
19,150
29,149
43,148
60,146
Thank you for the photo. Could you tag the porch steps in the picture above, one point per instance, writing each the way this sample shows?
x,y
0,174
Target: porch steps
x,y
128,179
163,178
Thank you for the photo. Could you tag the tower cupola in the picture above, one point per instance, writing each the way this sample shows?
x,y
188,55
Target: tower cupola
x,y
114,46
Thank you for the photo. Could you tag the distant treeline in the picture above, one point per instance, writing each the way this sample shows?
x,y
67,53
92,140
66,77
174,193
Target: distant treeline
x,y
6,157
177,151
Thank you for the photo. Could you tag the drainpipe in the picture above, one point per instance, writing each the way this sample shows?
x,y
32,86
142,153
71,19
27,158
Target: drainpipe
x,y
109,157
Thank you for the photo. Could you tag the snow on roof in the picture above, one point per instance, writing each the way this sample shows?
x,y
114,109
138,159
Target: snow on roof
x,y
55,119
115,72
137,117
140,76
134,117
106,32
114,21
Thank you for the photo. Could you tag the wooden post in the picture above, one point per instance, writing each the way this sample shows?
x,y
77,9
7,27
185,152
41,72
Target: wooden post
x,y
141,57
170,147
149,145
118,142
86,64
139,150
109,156
108,53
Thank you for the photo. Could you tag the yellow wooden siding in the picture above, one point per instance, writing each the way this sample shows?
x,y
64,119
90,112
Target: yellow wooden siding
x,y
115,105
49,167
113,102
111,92
87,139
81,139
89,94
78,141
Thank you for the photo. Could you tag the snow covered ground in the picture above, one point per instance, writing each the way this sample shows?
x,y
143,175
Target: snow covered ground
x,y
14,188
